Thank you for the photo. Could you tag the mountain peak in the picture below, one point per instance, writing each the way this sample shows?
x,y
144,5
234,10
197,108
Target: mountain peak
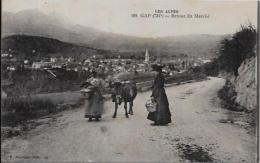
x,y
28,11
31,11
35,22
6,13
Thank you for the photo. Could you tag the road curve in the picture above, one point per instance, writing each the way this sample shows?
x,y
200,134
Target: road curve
x,y
194,135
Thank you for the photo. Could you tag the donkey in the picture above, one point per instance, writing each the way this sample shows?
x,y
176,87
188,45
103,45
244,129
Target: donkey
x,y
124,92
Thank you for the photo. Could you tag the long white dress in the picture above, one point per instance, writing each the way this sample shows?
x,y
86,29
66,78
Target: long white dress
x,y
94,104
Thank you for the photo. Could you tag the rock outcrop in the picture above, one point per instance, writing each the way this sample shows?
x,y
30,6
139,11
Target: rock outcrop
x,y
246,84
240,92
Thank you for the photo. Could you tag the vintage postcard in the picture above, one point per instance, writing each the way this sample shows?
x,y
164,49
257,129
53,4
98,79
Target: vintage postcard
x,y
129,81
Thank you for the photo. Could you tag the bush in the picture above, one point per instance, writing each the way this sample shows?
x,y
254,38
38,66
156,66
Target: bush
x,y
235,50
17,110
211,68
195,73
228,96
27,82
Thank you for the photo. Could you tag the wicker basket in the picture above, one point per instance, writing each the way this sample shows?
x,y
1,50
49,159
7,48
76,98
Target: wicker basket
x,y
150,106
86,92
118,99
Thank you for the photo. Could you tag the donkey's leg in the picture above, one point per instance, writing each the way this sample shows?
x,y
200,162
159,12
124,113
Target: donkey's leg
x,y
116,106
131,108
125,106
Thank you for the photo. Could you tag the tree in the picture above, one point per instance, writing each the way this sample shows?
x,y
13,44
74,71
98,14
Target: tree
x,y
235,50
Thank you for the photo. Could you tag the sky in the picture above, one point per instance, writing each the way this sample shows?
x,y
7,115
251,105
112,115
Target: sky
x,y
223,17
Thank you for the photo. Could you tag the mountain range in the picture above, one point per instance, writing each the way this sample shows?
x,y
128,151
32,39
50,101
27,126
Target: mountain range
x,y
36,47
36,23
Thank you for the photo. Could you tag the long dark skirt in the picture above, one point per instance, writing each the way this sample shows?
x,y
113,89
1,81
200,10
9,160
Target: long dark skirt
x,y
94,105
162,115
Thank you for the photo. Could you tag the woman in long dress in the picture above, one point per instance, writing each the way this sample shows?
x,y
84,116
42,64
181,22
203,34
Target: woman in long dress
x,y
94,104
162,115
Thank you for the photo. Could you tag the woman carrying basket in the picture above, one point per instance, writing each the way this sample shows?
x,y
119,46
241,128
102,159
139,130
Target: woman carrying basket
x,y
162,115
94,104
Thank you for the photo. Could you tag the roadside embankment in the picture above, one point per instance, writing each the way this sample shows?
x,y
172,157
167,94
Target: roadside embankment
x,y
240,92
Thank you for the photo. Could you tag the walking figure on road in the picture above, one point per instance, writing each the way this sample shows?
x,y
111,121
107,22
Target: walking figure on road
x,y
162,115
95,101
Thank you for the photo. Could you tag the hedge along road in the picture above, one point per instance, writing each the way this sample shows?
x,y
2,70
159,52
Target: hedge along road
x,y
194,135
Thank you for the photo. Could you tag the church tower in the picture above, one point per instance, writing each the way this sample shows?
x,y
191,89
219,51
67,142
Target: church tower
x,y
147,56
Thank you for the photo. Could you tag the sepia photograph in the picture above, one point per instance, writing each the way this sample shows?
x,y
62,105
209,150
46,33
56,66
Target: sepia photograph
x,y
130,81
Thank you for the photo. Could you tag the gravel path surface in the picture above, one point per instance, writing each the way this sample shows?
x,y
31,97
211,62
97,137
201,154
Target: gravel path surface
x,y
195,134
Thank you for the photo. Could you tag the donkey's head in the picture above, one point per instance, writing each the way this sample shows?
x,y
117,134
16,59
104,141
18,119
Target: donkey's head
x,y
117,92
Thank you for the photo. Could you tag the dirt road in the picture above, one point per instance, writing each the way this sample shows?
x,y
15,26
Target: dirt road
x,y
194,135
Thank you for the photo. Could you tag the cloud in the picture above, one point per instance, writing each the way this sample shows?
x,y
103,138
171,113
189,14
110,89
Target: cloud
x,y
115,15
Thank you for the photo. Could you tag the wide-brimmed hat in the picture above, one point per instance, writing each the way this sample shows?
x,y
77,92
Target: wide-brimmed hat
x,y
157,67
